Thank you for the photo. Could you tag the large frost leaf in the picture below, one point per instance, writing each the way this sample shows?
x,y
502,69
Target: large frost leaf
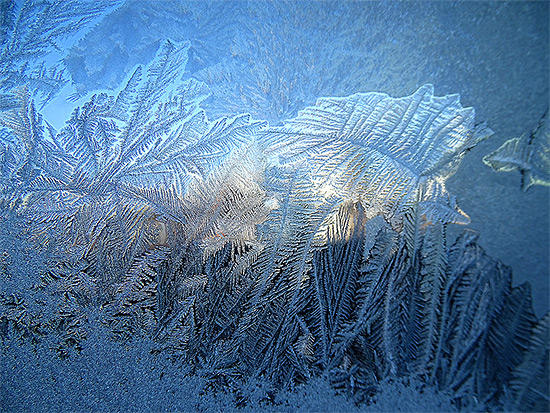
x,y
382,150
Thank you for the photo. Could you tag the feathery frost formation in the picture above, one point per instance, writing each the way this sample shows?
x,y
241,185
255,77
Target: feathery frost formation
x,y
29,30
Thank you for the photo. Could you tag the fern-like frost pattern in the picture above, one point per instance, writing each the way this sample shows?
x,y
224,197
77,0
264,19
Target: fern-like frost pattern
x,y
313,248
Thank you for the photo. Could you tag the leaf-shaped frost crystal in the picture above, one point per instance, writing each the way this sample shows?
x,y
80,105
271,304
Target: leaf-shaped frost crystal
x,y
379,149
